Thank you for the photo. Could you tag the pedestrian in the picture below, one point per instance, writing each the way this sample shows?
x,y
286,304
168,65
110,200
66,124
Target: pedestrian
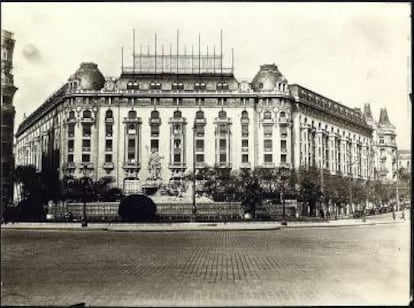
x,y
403,214
393,215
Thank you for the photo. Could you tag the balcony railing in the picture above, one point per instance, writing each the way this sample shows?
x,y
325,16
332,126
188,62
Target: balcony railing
x,y
87,164
108,165
245,165
87,120
131,165
177,165
155,121
70,165
268,164
86,149
71,120
109,120
283,121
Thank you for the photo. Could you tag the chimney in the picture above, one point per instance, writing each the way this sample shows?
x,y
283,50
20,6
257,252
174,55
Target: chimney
x,y
367,111
384,117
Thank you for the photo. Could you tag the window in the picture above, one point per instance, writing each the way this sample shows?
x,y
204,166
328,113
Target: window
x,y
155,114
245,115
200,130
86,130
282,114
71,114
108,145
268,158
154,145
245,143
381,140
267,129
132,114
223,157
177,129
177,143
108,130
222,114
223,144
199,114
177,114
177,158
108,114
267,115
131,157
86,158
108,158
131,144
131,129
283,145
245,158
200,158
86,145
245,130
70,145
223,129
155,130
283,158
70,158
199,145
87,114
267,145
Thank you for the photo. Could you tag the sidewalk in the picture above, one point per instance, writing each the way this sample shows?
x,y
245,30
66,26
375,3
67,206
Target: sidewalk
x,y
200,226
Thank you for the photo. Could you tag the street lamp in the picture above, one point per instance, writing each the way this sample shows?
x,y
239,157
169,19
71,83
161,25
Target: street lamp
x,y
84,218
284,174
194,208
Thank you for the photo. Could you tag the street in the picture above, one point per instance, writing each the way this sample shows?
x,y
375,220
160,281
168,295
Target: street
x,y
354,265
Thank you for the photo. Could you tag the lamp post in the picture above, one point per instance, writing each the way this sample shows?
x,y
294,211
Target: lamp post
x,y
194,208
84,218
284,172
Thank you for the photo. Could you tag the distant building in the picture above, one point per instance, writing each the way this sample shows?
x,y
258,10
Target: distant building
x,y
164,112
7,116
404,159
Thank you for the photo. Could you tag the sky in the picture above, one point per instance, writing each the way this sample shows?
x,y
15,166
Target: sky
x,y
350,52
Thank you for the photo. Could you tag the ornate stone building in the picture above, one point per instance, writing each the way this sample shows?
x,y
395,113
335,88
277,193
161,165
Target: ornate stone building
x,y
7,116
162,114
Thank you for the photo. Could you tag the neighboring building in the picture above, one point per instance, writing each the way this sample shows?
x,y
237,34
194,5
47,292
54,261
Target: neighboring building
x,y
384,146
7,116
404,159
143,127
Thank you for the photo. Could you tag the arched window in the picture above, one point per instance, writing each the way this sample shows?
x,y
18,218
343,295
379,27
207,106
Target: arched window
x,y
282,114
155,114
87,114
132,114
267,115
109,114
177,114
71,114
199,114
222,114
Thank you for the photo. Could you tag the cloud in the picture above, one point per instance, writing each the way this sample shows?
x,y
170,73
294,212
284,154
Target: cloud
x,y
31,53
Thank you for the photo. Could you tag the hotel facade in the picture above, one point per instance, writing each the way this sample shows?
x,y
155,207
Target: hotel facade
x,y
167,112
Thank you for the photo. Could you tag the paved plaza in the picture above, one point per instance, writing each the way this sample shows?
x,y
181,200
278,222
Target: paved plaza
x,y
304,266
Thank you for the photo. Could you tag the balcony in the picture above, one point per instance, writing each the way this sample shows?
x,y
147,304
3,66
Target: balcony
x,y
244,121
268,165
177,151
200,165
108,149
245,150
87,120
224,165
283,150
109,120
71,121
131,164
88,165
86,149
132,120
200,150
155,121
108,165
177,165
284,165
69,165
202,121
245,166
71,135
283,121
383,172
70,150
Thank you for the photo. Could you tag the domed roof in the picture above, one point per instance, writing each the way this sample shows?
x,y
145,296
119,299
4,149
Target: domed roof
x,y
90,76
265,79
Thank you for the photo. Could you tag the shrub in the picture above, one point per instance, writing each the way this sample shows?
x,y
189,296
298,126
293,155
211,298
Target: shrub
x,y
137,208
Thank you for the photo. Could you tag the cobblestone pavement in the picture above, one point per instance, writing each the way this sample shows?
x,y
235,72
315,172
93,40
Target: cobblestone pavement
x,y
348,266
